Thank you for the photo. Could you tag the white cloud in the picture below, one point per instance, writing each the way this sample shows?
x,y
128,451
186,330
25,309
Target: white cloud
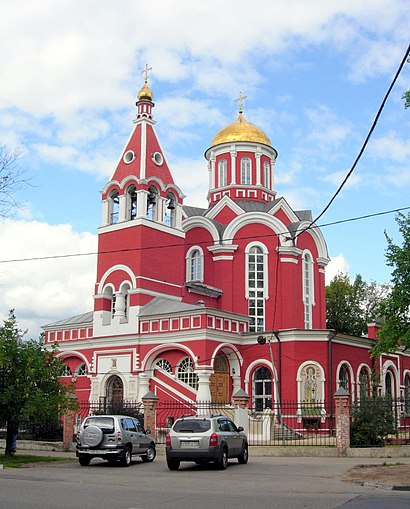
x,y
338,264
42,291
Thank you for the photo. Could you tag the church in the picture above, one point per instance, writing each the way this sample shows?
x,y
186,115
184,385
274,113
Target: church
x,y
198,304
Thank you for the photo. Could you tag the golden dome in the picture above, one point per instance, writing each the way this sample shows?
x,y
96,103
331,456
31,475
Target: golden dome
x,y
145,93
240,130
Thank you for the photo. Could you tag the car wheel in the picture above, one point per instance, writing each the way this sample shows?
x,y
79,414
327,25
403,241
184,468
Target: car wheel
x,y
126,457
173,464
244,456
84,461
150,456
222,462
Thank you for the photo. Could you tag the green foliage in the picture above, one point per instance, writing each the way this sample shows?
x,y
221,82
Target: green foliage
x,y
30,386
351,306
23,459
395,310
372,420
406,98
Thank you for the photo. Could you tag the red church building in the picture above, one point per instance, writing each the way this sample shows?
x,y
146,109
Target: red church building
x,y
196,304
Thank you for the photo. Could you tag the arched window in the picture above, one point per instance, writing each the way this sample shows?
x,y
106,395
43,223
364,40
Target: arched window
x,y
115,390
262,389
364,384
266,174
109,305
186,373
131,202
170,210
308,290
81,370
113,206
222,173
389,384
246,170
152,204
66,370
407,394
256,282
164,365
195,265
344,378
122,302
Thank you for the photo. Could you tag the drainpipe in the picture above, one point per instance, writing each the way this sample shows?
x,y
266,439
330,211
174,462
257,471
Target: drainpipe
x,y
330,336
276,334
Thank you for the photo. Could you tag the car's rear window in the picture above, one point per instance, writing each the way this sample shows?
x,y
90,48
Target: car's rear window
x,y
101,422
192,425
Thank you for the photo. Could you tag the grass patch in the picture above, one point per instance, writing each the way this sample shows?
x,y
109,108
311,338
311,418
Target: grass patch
x,y
19,460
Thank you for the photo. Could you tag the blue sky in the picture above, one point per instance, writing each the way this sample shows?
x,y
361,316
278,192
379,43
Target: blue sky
x,y
314,74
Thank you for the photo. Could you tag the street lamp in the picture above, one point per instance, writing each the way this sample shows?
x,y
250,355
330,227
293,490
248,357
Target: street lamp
x,y
262,341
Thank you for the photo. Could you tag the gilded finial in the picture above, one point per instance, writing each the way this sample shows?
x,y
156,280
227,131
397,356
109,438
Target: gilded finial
x,y
146,92
240,101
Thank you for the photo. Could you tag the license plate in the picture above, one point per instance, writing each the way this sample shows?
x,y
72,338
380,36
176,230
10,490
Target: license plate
x,y
190,443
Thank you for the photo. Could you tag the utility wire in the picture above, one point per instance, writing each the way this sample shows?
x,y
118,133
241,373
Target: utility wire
x,y
365,141
311,227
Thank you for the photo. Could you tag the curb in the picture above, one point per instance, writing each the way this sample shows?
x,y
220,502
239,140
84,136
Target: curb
x,y
388,487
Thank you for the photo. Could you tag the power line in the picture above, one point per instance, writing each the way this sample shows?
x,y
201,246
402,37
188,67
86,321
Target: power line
x,y
311,227
365,141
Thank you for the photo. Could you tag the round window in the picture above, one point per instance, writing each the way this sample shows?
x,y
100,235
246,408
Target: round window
x,y
157,158
129,156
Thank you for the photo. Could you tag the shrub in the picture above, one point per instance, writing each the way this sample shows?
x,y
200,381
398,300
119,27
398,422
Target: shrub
x,y
372,420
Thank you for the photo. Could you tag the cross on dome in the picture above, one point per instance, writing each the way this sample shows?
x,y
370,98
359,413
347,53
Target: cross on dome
x,y
145,72
240,101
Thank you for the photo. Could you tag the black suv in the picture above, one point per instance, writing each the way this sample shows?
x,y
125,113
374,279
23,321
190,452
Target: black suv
x,y
114,438
205,438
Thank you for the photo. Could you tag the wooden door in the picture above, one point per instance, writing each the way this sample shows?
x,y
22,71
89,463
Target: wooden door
x,y
219,381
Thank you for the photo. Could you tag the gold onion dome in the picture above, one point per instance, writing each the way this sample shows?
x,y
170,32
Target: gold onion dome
x,y
145,93
240,130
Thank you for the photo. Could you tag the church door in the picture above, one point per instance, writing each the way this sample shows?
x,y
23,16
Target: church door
x,y
219,381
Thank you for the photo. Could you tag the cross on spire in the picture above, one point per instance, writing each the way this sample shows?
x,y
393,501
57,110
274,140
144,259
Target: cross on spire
x,y
145,72
240,101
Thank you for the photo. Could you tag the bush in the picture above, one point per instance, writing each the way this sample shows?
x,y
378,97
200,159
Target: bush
x,y
372,420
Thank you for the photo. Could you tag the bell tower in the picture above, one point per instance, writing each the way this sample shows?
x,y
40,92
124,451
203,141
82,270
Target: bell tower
x,y
141,227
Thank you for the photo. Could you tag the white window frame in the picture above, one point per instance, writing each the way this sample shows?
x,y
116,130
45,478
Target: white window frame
x,y
195,273
266,174
256,294
308,290
186,373
222,173
246,171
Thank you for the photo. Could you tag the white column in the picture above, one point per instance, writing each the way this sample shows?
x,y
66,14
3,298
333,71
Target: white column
x,y
212,173
233,167
258,169
143,385
236,383
119,305
204,391
122,208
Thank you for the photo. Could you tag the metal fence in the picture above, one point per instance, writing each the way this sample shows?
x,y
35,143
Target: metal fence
x,y
380,421
288,424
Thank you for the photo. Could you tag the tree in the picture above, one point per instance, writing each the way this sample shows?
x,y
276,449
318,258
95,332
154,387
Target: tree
x,y
13,178
29,381
395,310
406,98
351,306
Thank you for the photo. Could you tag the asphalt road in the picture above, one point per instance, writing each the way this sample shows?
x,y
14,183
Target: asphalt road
x,y
290,483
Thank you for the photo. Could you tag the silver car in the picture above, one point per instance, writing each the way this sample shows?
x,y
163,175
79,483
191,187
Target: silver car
x,y
202,439
114,438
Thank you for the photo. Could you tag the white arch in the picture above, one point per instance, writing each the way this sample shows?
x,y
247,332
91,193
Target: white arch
x,y
74,353
201,222
234,363
317,236
359,370
260,218
108,185
299,378
114,269
390,366
351,374
148,361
